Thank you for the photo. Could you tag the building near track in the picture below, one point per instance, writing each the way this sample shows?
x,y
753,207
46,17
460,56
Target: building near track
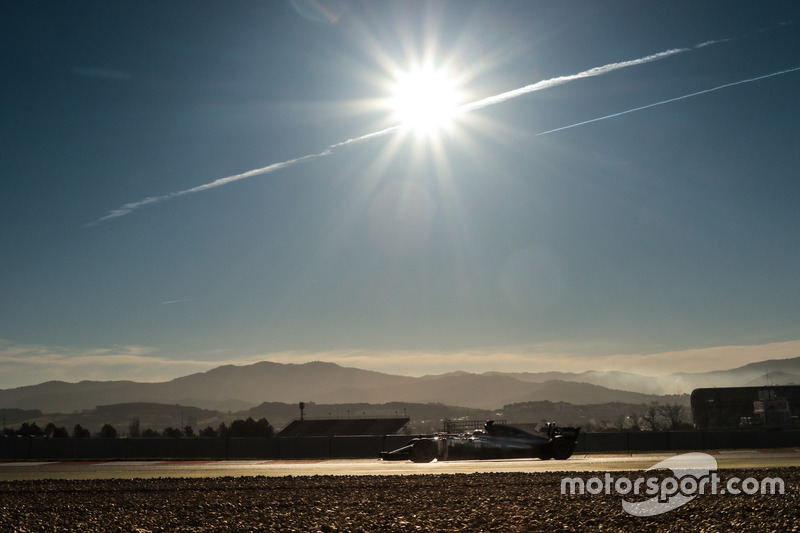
x,y
775,407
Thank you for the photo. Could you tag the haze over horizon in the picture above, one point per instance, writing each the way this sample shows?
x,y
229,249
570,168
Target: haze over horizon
x,y
189,186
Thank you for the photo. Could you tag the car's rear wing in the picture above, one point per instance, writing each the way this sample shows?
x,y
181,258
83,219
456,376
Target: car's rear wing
x,y
554,431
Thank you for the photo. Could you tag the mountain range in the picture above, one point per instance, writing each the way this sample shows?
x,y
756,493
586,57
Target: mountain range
x,y
236,388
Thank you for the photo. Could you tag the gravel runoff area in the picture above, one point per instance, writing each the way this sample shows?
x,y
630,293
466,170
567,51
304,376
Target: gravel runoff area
x,y
441,502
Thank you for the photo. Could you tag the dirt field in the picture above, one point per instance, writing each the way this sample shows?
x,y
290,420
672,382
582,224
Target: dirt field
x,y
446,502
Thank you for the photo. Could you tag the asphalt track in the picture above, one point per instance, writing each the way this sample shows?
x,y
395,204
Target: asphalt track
x,y
11,471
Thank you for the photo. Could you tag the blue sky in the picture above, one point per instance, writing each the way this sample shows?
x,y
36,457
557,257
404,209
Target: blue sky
x,y
659,240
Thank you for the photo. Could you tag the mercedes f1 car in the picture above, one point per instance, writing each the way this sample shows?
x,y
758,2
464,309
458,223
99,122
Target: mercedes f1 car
x,y
494,441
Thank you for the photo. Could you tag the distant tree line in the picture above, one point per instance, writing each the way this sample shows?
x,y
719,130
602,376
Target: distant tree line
x,y
246,428
33,430
55,432
237,428
607,417
666,417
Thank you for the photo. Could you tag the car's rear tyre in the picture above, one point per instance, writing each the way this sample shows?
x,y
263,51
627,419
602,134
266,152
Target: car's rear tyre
x,y
562,448
424,451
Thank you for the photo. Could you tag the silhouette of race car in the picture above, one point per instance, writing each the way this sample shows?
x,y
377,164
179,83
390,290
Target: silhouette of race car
x,y
494,441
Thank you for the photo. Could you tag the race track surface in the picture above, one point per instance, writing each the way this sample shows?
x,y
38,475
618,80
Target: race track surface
x,y
10,471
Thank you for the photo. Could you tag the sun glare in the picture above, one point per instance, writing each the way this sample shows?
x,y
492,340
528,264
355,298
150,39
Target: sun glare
x,y
425,100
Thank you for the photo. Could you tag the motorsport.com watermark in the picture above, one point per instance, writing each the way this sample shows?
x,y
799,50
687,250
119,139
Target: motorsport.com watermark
x,y
693,475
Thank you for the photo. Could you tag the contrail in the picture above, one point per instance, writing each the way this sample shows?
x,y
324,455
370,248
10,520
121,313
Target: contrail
x,y
478,104
732,84
552,82
129,208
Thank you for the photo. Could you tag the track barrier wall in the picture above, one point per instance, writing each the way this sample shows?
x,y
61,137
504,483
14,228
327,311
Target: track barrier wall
x,y
718,440
304,447
367,446
250,448
361,446
144,448
685,440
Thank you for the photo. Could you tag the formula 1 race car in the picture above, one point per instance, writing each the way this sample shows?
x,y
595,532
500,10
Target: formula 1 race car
x,y
494,441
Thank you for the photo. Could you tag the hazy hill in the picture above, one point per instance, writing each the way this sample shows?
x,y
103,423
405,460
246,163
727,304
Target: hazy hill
x,y
775,378
467,390
773,371
267,381
760,373
626,381
238,388
15,416
484,391
226,388
59,396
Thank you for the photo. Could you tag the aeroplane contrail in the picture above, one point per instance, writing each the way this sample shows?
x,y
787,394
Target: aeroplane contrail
x,y
552,82
685,96
478,104
128,208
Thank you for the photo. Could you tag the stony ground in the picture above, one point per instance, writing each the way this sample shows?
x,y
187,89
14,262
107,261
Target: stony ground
x,y
457,502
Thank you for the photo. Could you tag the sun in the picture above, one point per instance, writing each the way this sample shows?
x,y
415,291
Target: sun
x,y
425,100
